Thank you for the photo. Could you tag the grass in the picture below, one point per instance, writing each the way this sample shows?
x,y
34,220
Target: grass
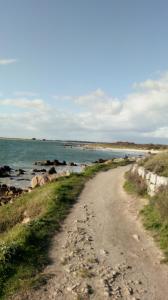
x,y
157,163
24,247
155,213
135,185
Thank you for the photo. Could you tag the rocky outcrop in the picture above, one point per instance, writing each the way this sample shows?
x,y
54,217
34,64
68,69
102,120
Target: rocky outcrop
x,y
55,162
39,170
40,180
52,171
8,193
100,161
152,180
5,171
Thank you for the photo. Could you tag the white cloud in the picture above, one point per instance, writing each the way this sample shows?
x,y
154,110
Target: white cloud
x,y
24,103
160,132
7,61
141,116
161,84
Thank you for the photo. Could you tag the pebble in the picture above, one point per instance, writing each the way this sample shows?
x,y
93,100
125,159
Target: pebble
x,y
136,237
103,252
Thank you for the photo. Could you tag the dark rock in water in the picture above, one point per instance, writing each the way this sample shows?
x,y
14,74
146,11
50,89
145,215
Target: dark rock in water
x,y
21,172
5,171
7,168
72,164
43,163
100,161
52,171
55,162
39,171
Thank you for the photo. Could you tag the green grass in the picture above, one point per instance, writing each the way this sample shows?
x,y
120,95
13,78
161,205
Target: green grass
x,y
155,213
157,163
24,247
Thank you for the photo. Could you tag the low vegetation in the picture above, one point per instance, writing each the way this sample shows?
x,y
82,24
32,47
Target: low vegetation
x,y
157,163
134,184
155,214
28,224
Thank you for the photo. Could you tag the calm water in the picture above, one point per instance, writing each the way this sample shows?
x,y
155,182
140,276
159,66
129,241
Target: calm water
x,y
23,154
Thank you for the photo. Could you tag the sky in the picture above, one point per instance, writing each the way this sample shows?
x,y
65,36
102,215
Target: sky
x,y
93,70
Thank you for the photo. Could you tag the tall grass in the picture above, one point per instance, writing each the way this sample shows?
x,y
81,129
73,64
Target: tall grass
x,y
157,163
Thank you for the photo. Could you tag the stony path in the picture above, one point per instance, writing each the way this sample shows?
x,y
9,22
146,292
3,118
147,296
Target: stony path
x,y
103,251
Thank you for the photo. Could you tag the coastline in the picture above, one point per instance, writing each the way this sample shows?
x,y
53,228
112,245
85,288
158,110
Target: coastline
x,y
103,148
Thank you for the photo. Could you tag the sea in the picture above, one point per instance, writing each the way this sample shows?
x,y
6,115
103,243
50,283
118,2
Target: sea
x,y
22,154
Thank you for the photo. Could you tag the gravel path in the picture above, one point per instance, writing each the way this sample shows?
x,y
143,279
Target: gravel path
x,y
103,252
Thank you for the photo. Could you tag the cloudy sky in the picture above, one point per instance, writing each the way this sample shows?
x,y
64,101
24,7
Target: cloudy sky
x,y
84,69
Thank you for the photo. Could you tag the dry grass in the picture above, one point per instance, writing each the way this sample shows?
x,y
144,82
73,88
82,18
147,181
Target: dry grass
x,y
134,184
157,163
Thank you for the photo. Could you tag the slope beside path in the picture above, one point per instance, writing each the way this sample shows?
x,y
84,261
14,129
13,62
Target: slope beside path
x,y
103,251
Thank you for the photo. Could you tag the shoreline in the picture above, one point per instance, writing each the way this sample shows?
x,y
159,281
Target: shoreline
x,y
87,147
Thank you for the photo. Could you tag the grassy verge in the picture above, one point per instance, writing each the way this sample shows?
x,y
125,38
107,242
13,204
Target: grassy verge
x,y
157,164
135,185
24,247
155,213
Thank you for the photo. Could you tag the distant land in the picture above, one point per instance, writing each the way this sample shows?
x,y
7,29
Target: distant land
x,y
94,145
126,145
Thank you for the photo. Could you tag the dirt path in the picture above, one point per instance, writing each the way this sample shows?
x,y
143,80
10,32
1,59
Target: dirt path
x,y
103,251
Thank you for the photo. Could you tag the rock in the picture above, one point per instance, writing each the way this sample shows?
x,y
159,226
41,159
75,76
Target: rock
x,y
21,172
43,163
5,171
72,164
52,171
26,220
100,161
39,180
103,252
53,177
8,193
55,162
39,171
136,237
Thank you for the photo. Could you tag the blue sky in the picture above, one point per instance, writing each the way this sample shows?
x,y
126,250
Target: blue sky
x,y
109,53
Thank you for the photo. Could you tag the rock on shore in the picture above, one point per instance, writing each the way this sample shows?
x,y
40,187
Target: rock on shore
x,y
40,180
8,193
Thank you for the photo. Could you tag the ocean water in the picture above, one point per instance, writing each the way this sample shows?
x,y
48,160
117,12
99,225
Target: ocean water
x,y
23,153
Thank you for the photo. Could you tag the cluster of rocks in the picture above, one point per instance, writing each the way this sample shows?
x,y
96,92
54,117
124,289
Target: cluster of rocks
x,y
116,160
5,171
8,193
54,162
49,176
